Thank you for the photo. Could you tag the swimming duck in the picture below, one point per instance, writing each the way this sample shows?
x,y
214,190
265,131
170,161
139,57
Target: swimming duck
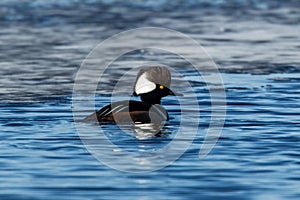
x,y
151,85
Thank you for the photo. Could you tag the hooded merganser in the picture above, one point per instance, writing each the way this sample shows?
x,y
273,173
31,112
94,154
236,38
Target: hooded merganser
x,y
152,84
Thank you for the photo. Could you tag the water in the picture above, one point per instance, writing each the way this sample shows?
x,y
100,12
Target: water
x,y
256,46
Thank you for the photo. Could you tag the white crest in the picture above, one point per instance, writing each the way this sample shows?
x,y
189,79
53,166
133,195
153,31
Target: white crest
x,y
143,85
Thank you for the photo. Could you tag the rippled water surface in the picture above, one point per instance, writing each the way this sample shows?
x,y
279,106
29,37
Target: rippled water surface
x,y
256,46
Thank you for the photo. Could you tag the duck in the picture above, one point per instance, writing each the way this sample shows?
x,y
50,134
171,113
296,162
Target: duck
x,y
151,85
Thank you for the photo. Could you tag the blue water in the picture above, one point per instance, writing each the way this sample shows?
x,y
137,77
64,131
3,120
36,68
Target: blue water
x,y
256,46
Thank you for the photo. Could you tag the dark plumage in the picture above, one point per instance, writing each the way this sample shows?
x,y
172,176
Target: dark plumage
x,y
151,85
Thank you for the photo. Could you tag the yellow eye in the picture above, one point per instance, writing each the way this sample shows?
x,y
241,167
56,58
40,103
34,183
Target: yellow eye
x,y
161,87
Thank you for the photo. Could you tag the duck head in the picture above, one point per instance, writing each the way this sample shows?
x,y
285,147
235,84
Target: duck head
x,y
152,84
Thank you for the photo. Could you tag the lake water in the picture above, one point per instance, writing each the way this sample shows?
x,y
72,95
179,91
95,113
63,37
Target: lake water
x,y
256,47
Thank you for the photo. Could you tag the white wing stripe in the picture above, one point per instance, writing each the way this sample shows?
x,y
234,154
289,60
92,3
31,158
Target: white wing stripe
x,y
119,108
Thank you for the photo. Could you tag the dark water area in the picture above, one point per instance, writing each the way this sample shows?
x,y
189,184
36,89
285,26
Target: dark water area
x,y
256,47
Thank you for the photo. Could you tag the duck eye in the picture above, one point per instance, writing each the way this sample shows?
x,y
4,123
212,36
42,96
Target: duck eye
x,y
161,87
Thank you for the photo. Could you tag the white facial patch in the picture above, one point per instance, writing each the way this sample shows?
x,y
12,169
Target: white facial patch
x,y
143,85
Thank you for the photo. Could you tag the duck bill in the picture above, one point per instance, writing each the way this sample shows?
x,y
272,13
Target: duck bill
x,y
175,93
